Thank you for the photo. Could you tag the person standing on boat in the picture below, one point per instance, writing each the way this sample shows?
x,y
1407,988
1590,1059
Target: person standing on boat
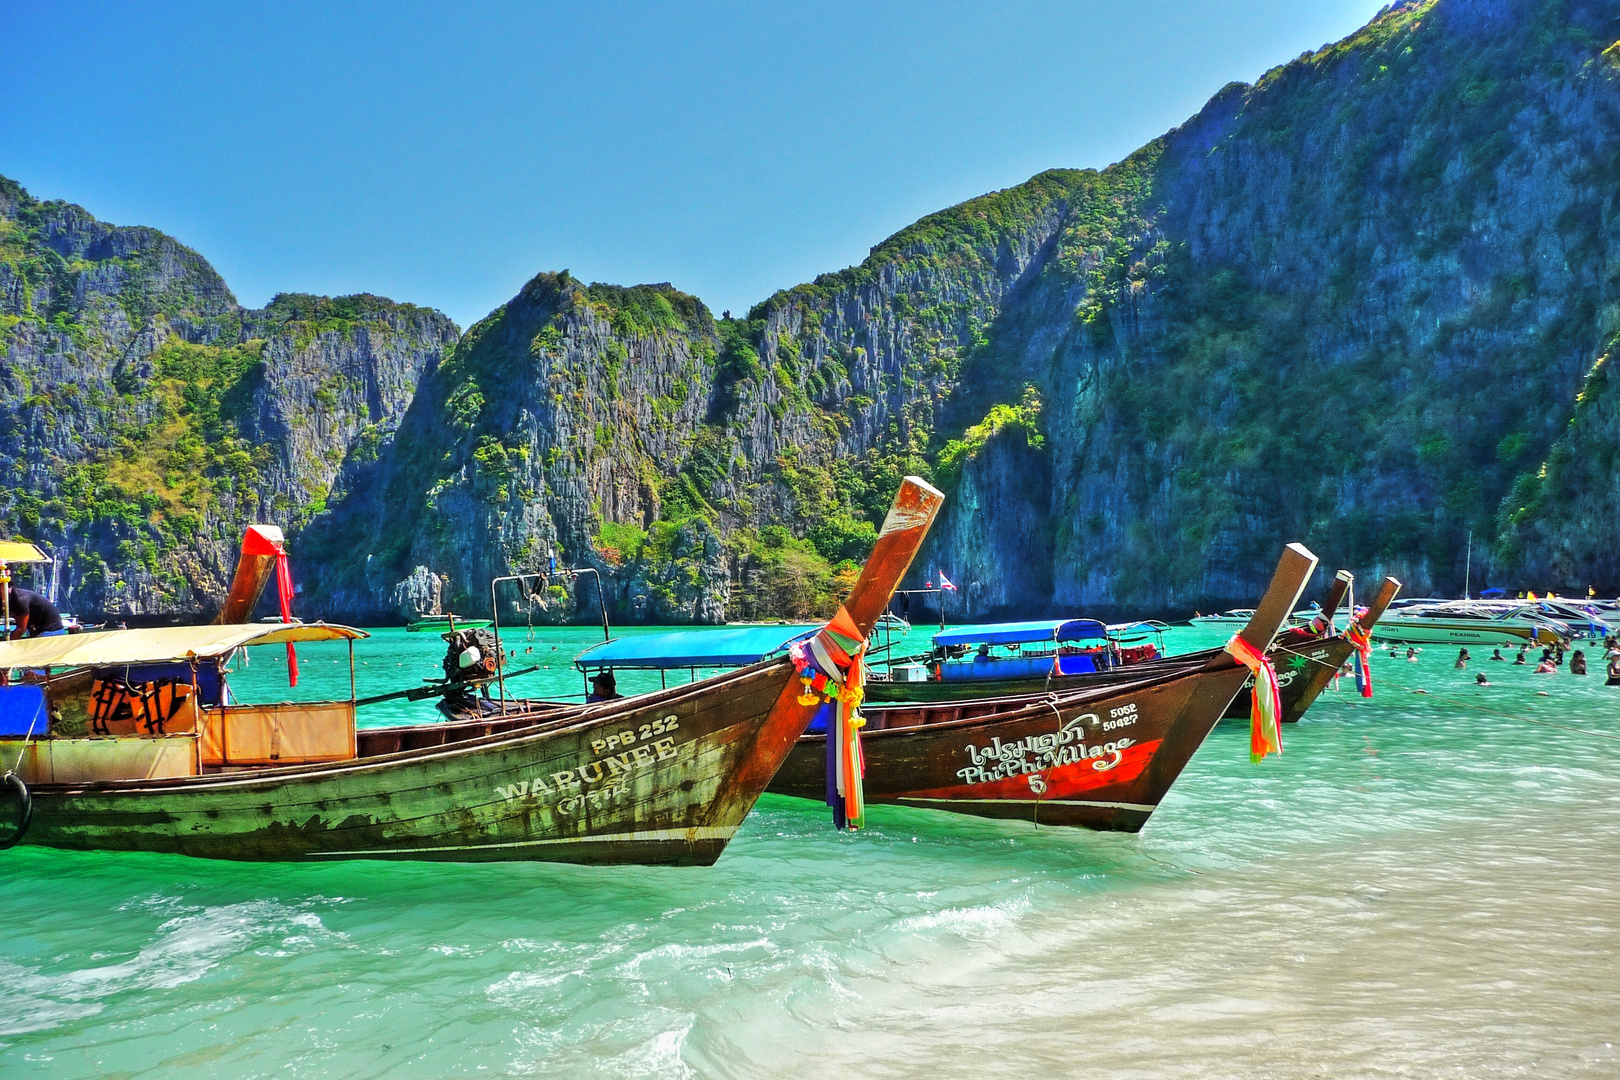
x,y
34,615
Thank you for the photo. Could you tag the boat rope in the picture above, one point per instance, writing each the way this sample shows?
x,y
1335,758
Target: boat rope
x,y
1050,701
28,738
1309,659
1170,865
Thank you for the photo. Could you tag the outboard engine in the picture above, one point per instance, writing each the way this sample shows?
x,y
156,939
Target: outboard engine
x,y
471,656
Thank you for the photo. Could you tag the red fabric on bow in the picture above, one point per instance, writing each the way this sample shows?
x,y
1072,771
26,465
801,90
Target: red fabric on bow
x,y
1265,711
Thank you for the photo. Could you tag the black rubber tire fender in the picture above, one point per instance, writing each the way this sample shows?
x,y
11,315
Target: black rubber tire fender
x,y
25,804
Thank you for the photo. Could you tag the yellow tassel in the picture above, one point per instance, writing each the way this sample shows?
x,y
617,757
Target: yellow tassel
x,y
806,697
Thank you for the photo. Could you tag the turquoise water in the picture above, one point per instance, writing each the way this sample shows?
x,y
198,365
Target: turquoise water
x,y
1424,885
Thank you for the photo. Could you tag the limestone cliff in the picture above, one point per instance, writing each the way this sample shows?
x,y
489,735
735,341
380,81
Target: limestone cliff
x,y
146,418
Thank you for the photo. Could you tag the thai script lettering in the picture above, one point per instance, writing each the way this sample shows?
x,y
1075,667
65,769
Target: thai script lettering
x,y
1048,750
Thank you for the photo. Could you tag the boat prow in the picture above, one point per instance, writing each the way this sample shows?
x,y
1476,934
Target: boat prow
x,y
1100,758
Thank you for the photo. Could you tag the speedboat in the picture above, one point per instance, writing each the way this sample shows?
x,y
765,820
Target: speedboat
x,y
1469,622
1236,617
442,623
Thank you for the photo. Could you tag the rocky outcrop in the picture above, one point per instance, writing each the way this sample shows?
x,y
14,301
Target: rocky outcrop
x,y
146,418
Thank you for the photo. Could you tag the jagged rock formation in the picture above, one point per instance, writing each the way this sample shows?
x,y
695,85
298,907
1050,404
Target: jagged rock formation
x,y
146,418
1350,304
1353,304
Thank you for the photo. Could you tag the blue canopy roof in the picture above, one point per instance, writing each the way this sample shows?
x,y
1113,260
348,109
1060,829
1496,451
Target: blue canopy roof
x,y
731,647
1017,633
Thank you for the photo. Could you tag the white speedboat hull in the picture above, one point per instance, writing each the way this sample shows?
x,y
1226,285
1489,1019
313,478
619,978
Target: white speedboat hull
x,y
1427,631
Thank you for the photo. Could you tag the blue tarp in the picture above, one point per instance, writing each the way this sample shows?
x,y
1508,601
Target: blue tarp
x,y
23,711
732,647
1018,633
984,667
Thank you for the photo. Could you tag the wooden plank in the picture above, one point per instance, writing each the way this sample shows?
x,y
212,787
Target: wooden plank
x,y
82,761
1337,591
283,734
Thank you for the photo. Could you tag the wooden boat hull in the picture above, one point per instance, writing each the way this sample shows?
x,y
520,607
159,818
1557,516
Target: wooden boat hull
x,y
1303,672
1098,760
666,781
663,778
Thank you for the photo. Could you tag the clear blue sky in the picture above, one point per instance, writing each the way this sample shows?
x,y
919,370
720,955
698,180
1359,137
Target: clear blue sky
x,y
444,154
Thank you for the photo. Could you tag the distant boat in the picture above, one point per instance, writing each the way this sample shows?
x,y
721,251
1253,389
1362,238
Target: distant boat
x,y
442,623
1235,617
1471,622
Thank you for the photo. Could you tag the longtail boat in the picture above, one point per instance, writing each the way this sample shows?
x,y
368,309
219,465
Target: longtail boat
x,y
1100,758
173,765
1306,659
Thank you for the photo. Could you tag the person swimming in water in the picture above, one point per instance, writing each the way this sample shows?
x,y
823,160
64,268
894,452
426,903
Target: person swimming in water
x,y
1481,680
1577,662
1462,659
1496,654
1520,658
1411,655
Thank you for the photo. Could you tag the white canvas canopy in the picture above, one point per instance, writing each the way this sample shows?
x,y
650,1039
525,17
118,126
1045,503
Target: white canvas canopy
x,y
161,644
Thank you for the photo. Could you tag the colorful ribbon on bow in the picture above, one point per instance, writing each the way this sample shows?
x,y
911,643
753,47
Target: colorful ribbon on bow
x,y
1265,712
1361,640
1320,625
832,666
257,543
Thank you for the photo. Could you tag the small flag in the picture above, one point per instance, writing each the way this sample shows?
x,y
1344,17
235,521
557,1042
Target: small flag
x,y
945,582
